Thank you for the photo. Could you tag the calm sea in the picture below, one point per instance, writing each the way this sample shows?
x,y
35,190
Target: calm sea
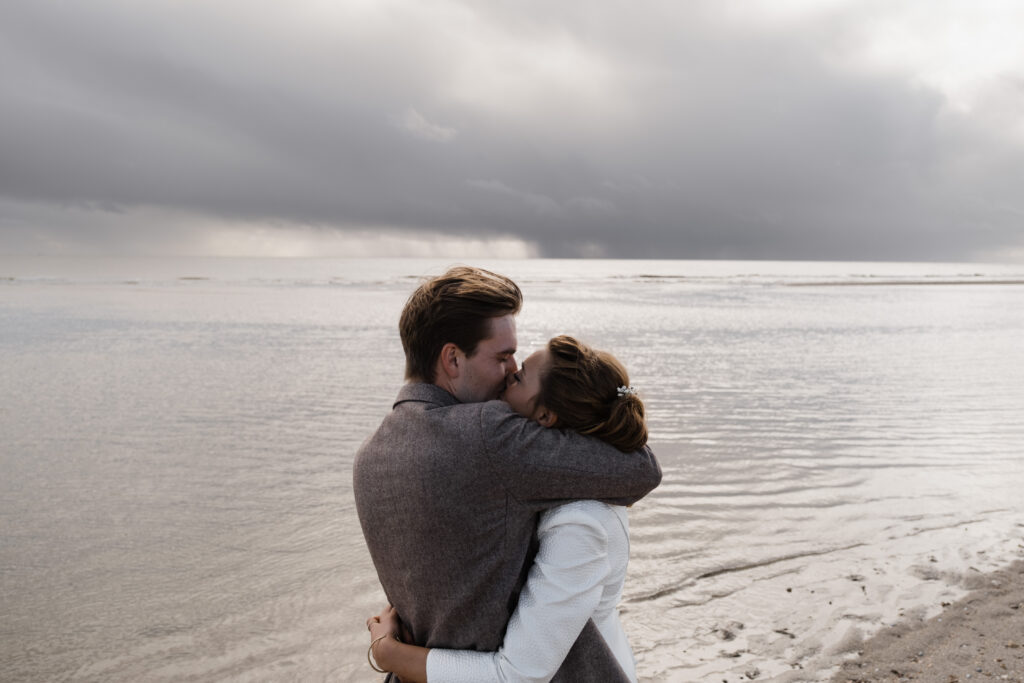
x,y
176,441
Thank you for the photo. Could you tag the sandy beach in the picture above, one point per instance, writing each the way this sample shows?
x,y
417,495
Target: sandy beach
x,y
980,637
841,616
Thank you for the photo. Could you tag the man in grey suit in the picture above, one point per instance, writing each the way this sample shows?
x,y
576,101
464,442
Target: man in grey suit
x,y
449,487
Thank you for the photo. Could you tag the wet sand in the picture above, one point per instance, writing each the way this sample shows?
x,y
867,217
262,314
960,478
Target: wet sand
x,y
978,638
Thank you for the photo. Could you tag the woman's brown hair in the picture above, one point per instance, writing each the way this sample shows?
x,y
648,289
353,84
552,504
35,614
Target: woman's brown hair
x,y
581,387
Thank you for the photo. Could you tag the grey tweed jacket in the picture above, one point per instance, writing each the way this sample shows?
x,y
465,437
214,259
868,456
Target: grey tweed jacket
x,y
448,496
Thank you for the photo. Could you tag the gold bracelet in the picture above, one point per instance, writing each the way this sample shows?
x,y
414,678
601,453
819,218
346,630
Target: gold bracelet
x,y
369,654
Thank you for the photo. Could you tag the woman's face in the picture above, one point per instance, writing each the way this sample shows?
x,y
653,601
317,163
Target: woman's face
x,y
523,385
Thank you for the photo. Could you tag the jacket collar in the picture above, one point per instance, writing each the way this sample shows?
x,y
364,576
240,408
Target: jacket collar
x,y
422,392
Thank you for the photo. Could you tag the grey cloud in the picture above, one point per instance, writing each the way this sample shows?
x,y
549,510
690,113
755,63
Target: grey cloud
x,y
711,139
415,124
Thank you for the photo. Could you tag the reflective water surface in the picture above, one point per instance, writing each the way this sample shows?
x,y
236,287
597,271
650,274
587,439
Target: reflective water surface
x,y
178,438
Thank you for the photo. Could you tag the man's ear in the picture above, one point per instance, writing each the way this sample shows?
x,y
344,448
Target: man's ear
x,y
449,360
547,418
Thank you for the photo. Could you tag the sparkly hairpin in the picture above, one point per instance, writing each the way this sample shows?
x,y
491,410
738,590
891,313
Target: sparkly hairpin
x,y
626,391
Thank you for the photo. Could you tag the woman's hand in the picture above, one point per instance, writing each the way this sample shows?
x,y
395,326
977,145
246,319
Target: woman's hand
x,y
408,662
387,623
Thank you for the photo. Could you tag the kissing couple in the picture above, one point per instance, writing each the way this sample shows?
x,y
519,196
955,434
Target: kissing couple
x,y
492,497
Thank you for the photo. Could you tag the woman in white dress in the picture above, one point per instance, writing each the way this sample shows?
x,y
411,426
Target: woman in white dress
x,y
580,567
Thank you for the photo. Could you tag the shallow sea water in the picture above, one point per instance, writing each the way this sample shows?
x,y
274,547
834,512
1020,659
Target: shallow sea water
x,y
178,438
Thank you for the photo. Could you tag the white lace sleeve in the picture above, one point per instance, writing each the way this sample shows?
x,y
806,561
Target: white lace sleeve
x,y
561,593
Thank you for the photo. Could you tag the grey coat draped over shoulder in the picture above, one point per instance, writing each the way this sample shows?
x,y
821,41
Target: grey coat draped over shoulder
x,y
448,496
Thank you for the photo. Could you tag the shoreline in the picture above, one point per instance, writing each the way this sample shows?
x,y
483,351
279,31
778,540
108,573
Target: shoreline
x,y
800,621
979,637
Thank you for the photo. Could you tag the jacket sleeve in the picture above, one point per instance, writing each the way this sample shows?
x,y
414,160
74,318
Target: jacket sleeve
x,y
540,464
562,591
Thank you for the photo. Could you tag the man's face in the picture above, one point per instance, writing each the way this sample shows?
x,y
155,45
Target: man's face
x,y
482,375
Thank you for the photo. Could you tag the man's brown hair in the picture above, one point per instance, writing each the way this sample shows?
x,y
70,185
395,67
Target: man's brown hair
x,y
456,307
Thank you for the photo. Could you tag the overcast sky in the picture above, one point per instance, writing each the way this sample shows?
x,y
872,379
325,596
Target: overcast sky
x,y
783,129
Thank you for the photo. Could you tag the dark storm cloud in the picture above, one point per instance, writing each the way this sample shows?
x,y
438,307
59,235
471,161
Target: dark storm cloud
x,y
678,132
